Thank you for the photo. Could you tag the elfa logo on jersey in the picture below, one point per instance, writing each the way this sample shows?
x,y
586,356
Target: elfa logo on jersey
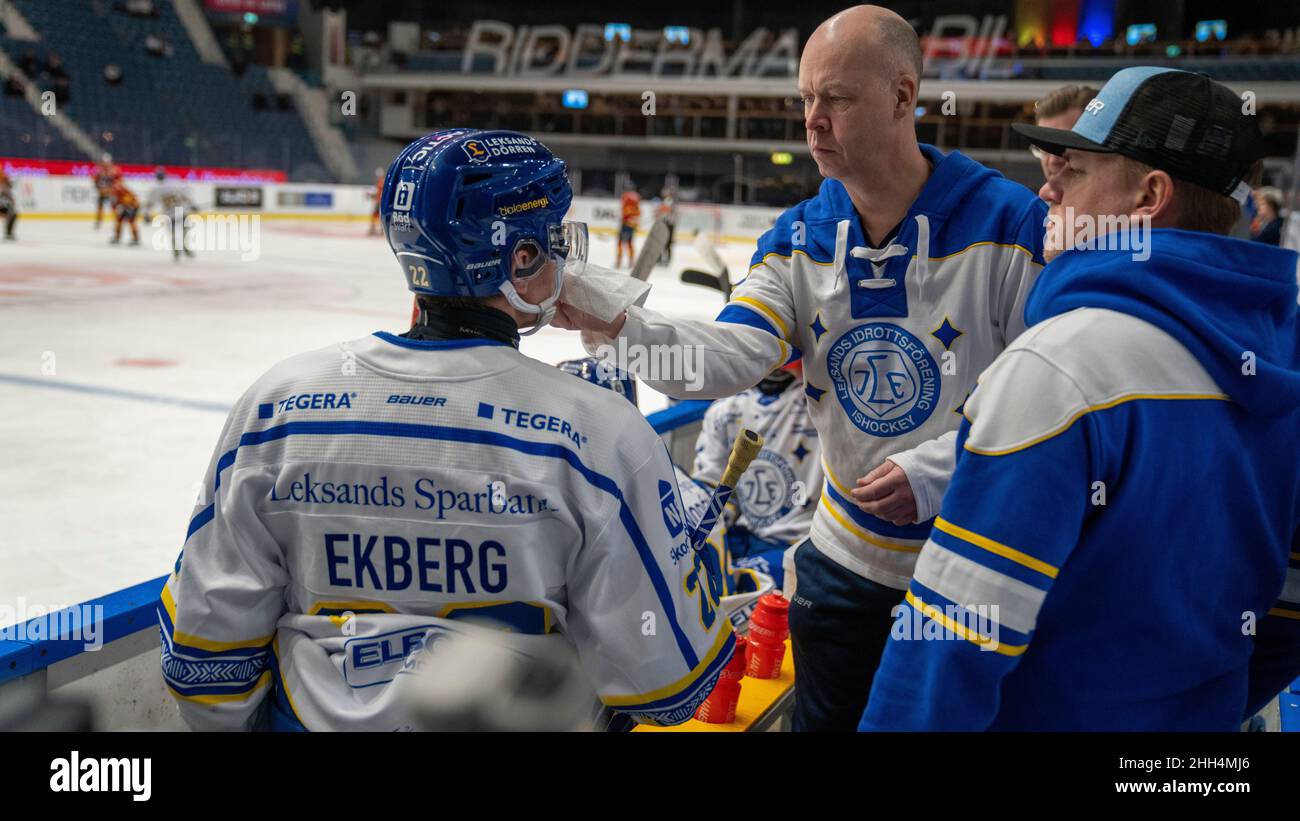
x,y
306,401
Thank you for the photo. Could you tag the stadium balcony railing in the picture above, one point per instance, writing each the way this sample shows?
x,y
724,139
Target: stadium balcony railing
x,y
1085,65
120,680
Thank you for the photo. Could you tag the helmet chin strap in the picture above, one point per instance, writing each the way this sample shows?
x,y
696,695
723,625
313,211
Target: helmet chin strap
x,y
544,310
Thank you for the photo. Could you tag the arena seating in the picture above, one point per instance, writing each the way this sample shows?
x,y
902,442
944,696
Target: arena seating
x,y
171,109
24,133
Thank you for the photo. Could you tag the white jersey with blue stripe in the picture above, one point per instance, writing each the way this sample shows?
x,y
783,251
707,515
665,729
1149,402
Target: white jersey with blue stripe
x,y
776,496
368,497
892,338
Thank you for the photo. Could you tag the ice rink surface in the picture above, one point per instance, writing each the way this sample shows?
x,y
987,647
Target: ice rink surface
x,y
118,367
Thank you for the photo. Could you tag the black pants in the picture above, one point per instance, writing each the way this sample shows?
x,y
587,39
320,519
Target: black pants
x,y
839,623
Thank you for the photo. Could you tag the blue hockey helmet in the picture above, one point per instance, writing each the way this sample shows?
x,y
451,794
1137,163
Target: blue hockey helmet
x,y
599,372
464,210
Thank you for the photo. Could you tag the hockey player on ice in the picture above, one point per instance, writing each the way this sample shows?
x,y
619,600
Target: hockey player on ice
x,y
8,205
377,195
126,207
105,175
171,200
368,498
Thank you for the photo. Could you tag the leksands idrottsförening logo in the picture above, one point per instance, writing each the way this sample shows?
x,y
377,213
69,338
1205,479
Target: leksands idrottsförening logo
x,y
885,379
764,491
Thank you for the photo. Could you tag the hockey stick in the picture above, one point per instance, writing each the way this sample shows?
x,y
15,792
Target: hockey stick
x,y
743,451
694,276
653,248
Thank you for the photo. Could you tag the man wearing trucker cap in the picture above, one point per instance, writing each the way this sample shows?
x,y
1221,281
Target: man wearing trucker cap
x,y
1118,547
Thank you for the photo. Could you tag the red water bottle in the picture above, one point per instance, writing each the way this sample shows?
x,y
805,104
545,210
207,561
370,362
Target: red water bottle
x,y
720,706
768,629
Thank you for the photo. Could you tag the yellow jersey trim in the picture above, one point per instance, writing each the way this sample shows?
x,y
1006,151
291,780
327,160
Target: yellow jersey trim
x,y
1062,428
190,640
863,535
680,684
998,548
767,313
935,614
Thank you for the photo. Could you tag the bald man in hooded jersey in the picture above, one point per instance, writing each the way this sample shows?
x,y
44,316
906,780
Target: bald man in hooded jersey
x,y
897,285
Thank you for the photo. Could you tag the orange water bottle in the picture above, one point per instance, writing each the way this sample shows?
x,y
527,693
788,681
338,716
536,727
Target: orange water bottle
x,y
768,629
720,706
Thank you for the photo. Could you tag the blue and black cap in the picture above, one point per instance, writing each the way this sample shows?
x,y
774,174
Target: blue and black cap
x,y
1185,124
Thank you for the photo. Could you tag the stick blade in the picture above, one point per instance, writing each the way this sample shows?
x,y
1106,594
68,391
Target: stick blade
x,y
653,248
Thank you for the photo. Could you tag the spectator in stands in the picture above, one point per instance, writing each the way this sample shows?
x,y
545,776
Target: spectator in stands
x,y
54,69
1267,225
1060,109
56,77
137,8
29,65
112,74
157,46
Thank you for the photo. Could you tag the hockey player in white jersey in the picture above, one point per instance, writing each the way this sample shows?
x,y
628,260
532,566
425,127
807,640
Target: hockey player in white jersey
x,y
772,507
170,199
897,285
367,498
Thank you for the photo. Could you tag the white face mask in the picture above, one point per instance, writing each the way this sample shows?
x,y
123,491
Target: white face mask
x,y
569,237
544,310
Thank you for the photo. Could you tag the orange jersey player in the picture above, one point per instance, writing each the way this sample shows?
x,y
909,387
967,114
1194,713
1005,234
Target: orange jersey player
x,y
631,215
105,175
127,207
378,196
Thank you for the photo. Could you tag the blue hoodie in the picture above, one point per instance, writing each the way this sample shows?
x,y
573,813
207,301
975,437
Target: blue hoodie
x,y
1119,545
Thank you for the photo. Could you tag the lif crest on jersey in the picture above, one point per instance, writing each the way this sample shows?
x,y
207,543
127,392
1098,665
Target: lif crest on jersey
x,y
885,379
766,490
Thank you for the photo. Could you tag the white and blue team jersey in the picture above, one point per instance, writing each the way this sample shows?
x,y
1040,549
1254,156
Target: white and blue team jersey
x,y
1120,546
366,498
892,338
776,496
